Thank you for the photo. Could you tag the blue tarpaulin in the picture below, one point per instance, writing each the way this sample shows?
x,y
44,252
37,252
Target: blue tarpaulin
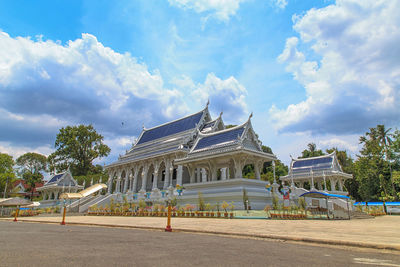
x,y
316,194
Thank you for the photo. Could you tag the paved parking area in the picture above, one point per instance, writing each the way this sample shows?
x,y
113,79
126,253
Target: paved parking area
x,y
39,244
379,232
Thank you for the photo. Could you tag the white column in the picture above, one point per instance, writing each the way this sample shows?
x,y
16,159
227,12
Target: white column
x,y
109,184
198,174
325,189
135,179
238,167
257,172
171,175
155,179
203,175
130,181
273,169
127,177
312,180
223,173
167,176
340,185
144,177
192,173
333,184
118,187
179,175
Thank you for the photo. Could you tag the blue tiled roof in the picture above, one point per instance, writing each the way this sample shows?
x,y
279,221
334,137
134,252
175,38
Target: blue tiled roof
x,y
313,162
171,128
55,178
219,138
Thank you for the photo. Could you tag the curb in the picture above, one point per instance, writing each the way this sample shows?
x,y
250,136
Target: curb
x,y
264,236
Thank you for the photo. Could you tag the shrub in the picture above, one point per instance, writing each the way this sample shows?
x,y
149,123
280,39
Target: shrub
x,y
225,206
275,202
201,202
302,203
142,204
232,206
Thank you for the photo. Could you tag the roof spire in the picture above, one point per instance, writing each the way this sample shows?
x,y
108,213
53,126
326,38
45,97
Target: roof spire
x,y
220,114
208,103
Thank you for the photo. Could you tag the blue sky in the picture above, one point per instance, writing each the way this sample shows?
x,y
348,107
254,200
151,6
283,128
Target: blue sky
x,y
310,71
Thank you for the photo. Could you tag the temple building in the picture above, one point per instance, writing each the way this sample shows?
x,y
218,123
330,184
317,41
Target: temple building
x,y
317,171
58,184
322,174
196,152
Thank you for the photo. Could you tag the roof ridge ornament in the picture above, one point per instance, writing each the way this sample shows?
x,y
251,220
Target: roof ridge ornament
x,y
208,102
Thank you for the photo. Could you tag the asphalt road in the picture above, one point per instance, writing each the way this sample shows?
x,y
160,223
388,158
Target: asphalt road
x,y
36,244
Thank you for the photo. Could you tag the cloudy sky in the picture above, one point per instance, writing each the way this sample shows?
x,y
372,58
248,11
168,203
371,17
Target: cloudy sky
x,y
310,71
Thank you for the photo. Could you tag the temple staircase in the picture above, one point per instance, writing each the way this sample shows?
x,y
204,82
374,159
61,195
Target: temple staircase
x,y
93,201
101,201
75,206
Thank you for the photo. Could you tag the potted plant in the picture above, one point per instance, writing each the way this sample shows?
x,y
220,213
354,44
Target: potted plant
x,y
232,207
208,208
225,207
218,211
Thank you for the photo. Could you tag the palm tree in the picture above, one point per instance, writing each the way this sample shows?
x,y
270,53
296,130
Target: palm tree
x,y
384,137
312,147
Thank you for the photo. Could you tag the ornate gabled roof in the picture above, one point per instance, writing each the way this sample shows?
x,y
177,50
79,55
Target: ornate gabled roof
x,y
320,163
61,179
171,128
214,125
221,138
316,166
55,178
238,139
172,137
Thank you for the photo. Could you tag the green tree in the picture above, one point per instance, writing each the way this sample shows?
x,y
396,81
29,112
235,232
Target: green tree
x,y
312,151
77,147
384,137
32,165
267,173
32,162
371,169
7,174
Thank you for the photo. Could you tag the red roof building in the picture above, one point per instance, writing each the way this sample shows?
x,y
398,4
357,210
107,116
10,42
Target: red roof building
x,y
22,189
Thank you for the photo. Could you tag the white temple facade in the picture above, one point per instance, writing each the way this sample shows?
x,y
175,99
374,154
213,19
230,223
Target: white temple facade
x,y
197,153
58,184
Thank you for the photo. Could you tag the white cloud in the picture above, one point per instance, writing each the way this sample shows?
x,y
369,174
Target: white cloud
x,y
45,85
353,79
15,151
281,4
227,95
221,9
340,144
